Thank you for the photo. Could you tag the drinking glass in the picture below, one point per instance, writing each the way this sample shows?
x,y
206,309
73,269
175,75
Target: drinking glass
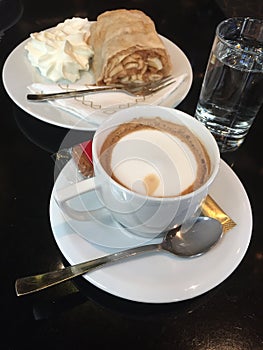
x,y
232,89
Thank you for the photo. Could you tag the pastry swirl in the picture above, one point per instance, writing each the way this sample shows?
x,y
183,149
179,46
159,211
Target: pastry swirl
x,y
127,48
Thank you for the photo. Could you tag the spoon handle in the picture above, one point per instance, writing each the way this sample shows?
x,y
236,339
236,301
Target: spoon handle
x,y
30,284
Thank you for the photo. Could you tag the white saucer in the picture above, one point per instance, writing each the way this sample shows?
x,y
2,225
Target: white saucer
x,y
16,78
156,277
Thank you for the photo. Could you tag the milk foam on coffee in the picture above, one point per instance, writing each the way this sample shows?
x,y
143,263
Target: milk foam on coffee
x,y
153,162
155,157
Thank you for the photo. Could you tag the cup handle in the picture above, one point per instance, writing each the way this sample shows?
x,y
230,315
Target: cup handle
x,y
63,195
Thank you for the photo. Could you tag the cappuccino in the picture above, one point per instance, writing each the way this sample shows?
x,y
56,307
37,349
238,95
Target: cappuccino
x,y
155,157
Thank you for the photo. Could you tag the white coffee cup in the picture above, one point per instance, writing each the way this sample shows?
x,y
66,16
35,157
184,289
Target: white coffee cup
x,y
139,213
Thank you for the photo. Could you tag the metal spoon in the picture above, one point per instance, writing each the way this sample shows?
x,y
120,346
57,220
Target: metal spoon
x,y
204,233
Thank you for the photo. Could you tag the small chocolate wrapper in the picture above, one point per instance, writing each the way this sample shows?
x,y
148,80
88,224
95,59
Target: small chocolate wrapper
x,y
212,209
82,156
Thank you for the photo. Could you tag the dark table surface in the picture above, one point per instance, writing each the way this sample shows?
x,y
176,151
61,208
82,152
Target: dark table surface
x,y
76,314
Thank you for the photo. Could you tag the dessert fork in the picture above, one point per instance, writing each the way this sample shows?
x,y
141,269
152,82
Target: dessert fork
x,y
134,89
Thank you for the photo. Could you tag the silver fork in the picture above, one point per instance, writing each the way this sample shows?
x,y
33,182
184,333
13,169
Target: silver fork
x,y
131,89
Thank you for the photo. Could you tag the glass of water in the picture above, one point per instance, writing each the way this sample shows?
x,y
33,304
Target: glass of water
x,y
232,89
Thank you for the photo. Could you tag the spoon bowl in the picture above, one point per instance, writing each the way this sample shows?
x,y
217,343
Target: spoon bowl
x,y
198,239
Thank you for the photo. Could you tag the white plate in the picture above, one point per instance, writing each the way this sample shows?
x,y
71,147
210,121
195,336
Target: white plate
x,y
18,74
157,277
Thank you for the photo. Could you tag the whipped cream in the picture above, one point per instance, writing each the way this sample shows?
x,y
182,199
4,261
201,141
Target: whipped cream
x,y
61,52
